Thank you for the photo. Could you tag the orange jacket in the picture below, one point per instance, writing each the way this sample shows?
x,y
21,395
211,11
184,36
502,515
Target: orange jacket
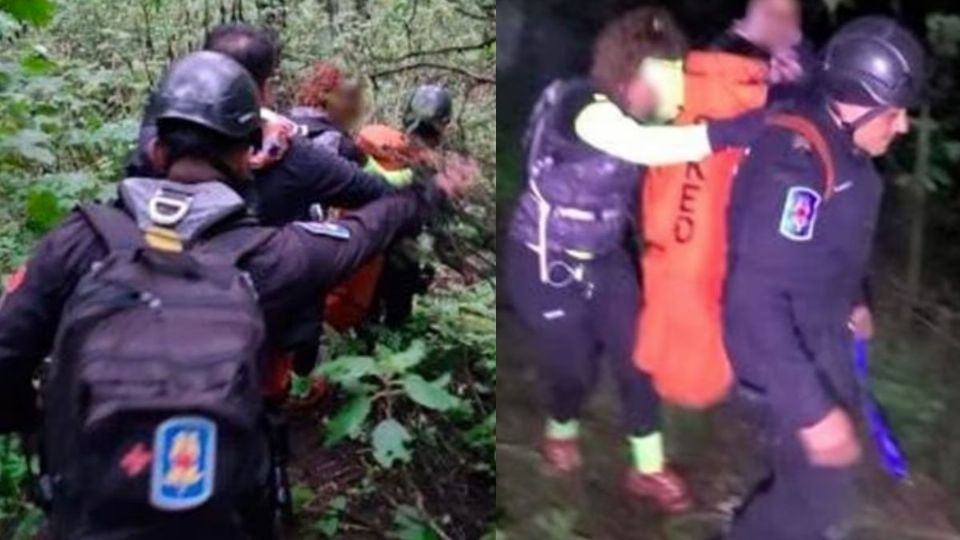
x,y
347,304
684,207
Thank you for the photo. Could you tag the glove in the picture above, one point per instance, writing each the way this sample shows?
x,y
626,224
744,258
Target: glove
x,y
739,131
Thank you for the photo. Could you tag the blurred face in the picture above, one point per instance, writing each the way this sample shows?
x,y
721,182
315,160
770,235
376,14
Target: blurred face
x,y
775,24
876,136
345,106
640,98
658,90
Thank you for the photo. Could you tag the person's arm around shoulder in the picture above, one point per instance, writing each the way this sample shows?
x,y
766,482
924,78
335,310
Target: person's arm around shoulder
x,y
334,180
332,250
30,314
604,126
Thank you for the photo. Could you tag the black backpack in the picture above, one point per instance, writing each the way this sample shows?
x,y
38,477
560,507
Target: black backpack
x,y
153,411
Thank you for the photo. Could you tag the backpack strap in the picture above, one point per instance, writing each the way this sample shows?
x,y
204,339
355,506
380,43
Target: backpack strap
x,y
235,243
117,229
812,134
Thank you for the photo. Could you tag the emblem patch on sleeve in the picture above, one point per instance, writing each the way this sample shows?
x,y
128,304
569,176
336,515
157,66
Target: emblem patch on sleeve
x,y
325,228
799,213
184,450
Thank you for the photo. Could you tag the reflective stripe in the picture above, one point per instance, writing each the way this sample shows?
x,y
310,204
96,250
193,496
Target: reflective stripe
x,y
605,127
580,255
578,214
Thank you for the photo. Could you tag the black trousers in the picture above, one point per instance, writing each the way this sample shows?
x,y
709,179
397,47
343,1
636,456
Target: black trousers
x,y
573,329
796,500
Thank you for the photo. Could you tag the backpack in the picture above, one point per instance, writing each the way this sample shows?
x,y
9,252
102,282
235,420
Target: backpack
x,y
680,339
152,401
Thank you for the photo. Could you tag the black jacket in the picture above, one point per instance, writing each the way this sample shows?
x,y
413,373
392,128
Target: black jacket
x,y
294,264
797,260
326,135
286,190
600,188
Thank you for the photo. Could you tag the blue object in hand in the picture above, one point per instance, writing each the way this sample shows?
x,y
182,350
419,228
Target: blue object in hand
x,y
891,453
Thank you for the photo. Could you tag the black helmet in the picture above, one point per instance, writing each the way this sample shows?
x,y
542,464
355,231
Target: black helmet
x,y
212,90
430,106
873,61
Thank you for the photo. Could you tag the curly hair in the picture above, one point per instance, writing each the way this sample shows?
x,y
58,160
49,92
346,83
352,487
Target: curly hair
x,y
624,43
324,77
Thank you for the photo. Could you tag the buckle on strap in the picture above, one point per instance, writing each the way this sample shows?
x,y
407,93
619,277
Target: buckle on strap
x,y
167,208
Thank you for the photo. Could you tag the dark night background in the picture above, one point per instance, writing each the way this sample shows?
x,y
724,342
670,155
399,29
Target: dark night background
x,y
916,282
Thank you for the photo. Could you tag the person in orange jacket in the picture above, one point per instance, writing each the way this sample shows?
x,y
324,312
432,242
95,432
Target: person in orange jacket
x,y
383,291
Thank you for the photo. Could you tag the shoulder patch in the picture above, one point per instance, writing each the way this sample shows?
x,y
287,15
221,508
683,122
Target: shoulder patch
x,y
184,463
799,213
325,228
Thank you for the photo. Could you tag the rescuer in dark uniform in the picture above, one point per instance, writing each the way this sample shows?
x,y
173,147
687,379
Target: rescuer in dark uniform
x,y
303,175
798,252
297,180
203,146
425,120
572,251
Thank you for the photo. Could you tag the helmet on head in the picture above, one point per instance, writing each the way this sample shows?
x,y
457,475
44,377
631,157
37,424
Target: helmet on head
x,y
430,106
212,90
874,62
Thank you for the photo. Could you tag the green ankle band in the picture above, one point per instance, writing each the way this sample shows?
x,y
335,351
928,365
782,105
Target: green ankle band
x,y
563,430
647,453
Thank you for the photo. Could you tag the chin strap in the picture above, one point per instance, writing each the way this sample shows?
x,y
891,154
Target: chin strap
x,y
859,122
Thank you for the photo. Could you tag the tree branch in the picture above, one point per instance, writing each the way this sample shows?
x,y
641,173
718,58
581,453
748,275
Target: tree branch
x,y
487,15
479,79
445,50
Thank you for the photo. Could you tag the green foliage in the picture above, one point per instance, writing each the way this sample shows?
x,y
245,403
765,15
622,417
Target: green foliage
x,y
411,524
431,395
35,12
390,440
349,420
13,485
73,81
329,523
382,379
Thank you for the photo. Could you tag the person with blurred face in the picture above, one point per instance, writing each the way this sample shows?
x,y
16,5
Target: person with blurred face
x,y
291,176
572,251
799,243
772,24
329,104
771,30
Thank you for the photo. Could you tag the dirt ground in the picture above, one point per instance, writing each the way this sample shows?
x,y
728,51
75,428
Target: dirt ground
x,y
711,450
439,484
